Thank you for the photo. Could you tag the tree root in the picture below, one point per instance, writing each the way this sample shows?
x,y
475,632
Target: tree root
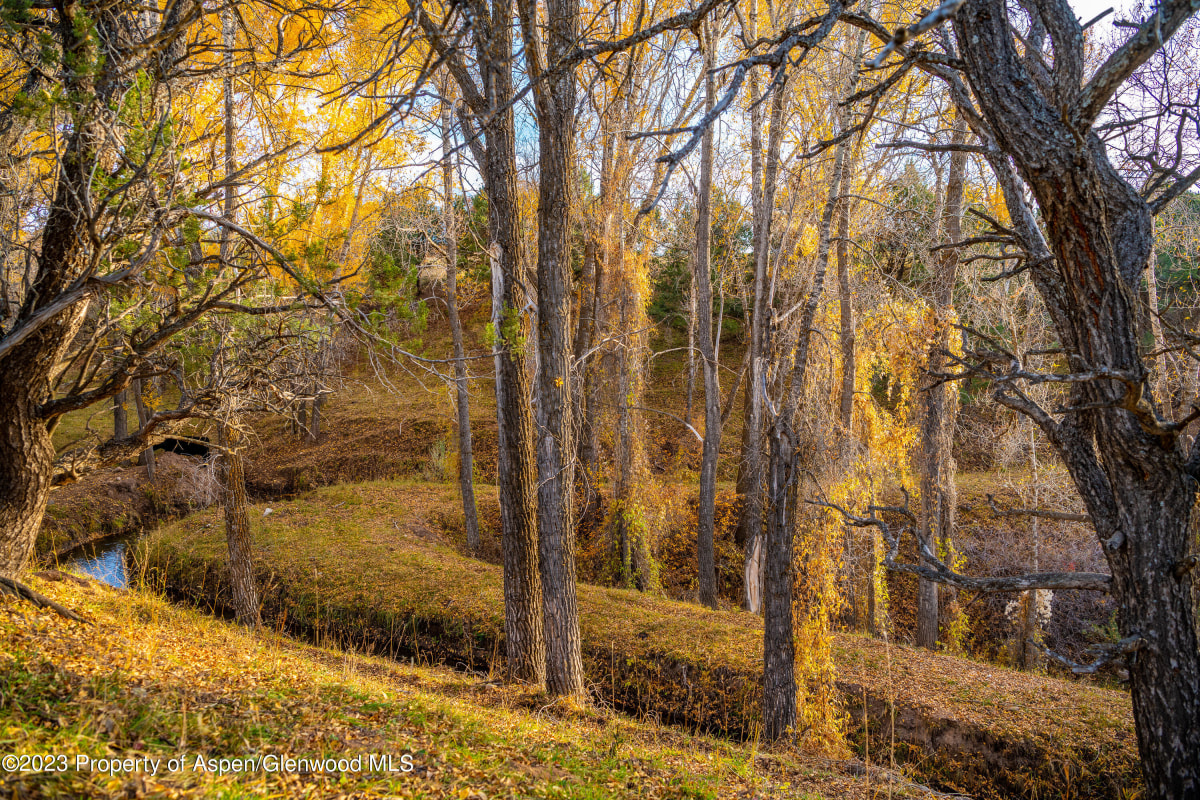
x,y
10,586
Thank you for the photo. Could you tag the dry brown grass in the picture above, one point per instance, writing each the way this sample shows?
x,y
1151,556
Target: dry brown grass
x,y
148,679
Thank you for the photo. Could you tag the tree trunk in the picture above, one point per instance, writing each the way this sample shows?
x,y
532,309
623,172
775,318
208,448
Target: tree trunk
x,y
752,454
554,97
1135,478
784,466
120,417
623,531
586,361
314,420
691,349
26,450
26,456
779,644
846,320
1162,395
237,528
939,410
702,295
466,463
146,459
302,419
516,469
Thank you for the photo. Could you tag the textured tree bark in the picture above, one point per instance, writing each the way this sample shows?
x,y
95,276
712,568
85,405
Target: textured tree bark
x,y
939,409
120,416
779,644
516,470
237,529
702,292
466,462
622,542
1136,479
779,654
752,453
554,96
26,456
491,100
586,362
146,459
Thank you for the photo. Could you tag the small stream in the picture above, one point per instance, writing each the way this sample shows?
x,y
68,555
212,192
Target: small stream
x,y
103,560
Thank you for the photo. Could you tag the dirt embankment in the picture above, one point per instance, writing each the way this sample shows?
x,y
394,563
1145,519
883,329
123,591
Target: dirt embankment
x,y
280,463
122,501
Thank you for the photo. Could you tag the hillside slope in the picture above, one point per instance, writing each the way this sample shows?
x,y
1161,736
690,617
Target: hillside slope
x,y
147,682
371,565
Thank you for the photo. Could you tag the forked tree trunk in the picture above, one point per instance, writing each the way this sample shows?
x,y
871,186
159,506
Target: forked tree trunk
x,y
779,644
702,293
237,529
939,409
1135,477
466,462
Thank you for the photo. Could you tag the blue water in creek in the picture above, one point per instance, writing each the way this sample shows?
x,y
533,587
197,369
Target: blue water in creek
x,y
104,561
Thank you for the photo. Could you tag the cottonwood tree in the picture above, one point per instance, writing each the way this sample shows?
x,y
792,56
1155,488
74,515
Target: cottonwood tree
x,y
554,101
480,57
462,401
702,300
249,364
476,46
1022,83
939,401
785,457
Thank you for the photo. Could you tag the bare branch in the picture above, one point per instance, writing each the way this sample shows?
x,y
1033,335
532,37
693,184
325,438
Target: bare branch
x,y
903,34
935,148
937,570
1036,512
1105,654
1150,37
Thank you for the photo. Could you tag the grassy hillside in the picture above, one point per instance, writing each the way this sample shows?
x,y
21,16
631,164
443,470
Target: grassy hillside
x,y
149,680
373,565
